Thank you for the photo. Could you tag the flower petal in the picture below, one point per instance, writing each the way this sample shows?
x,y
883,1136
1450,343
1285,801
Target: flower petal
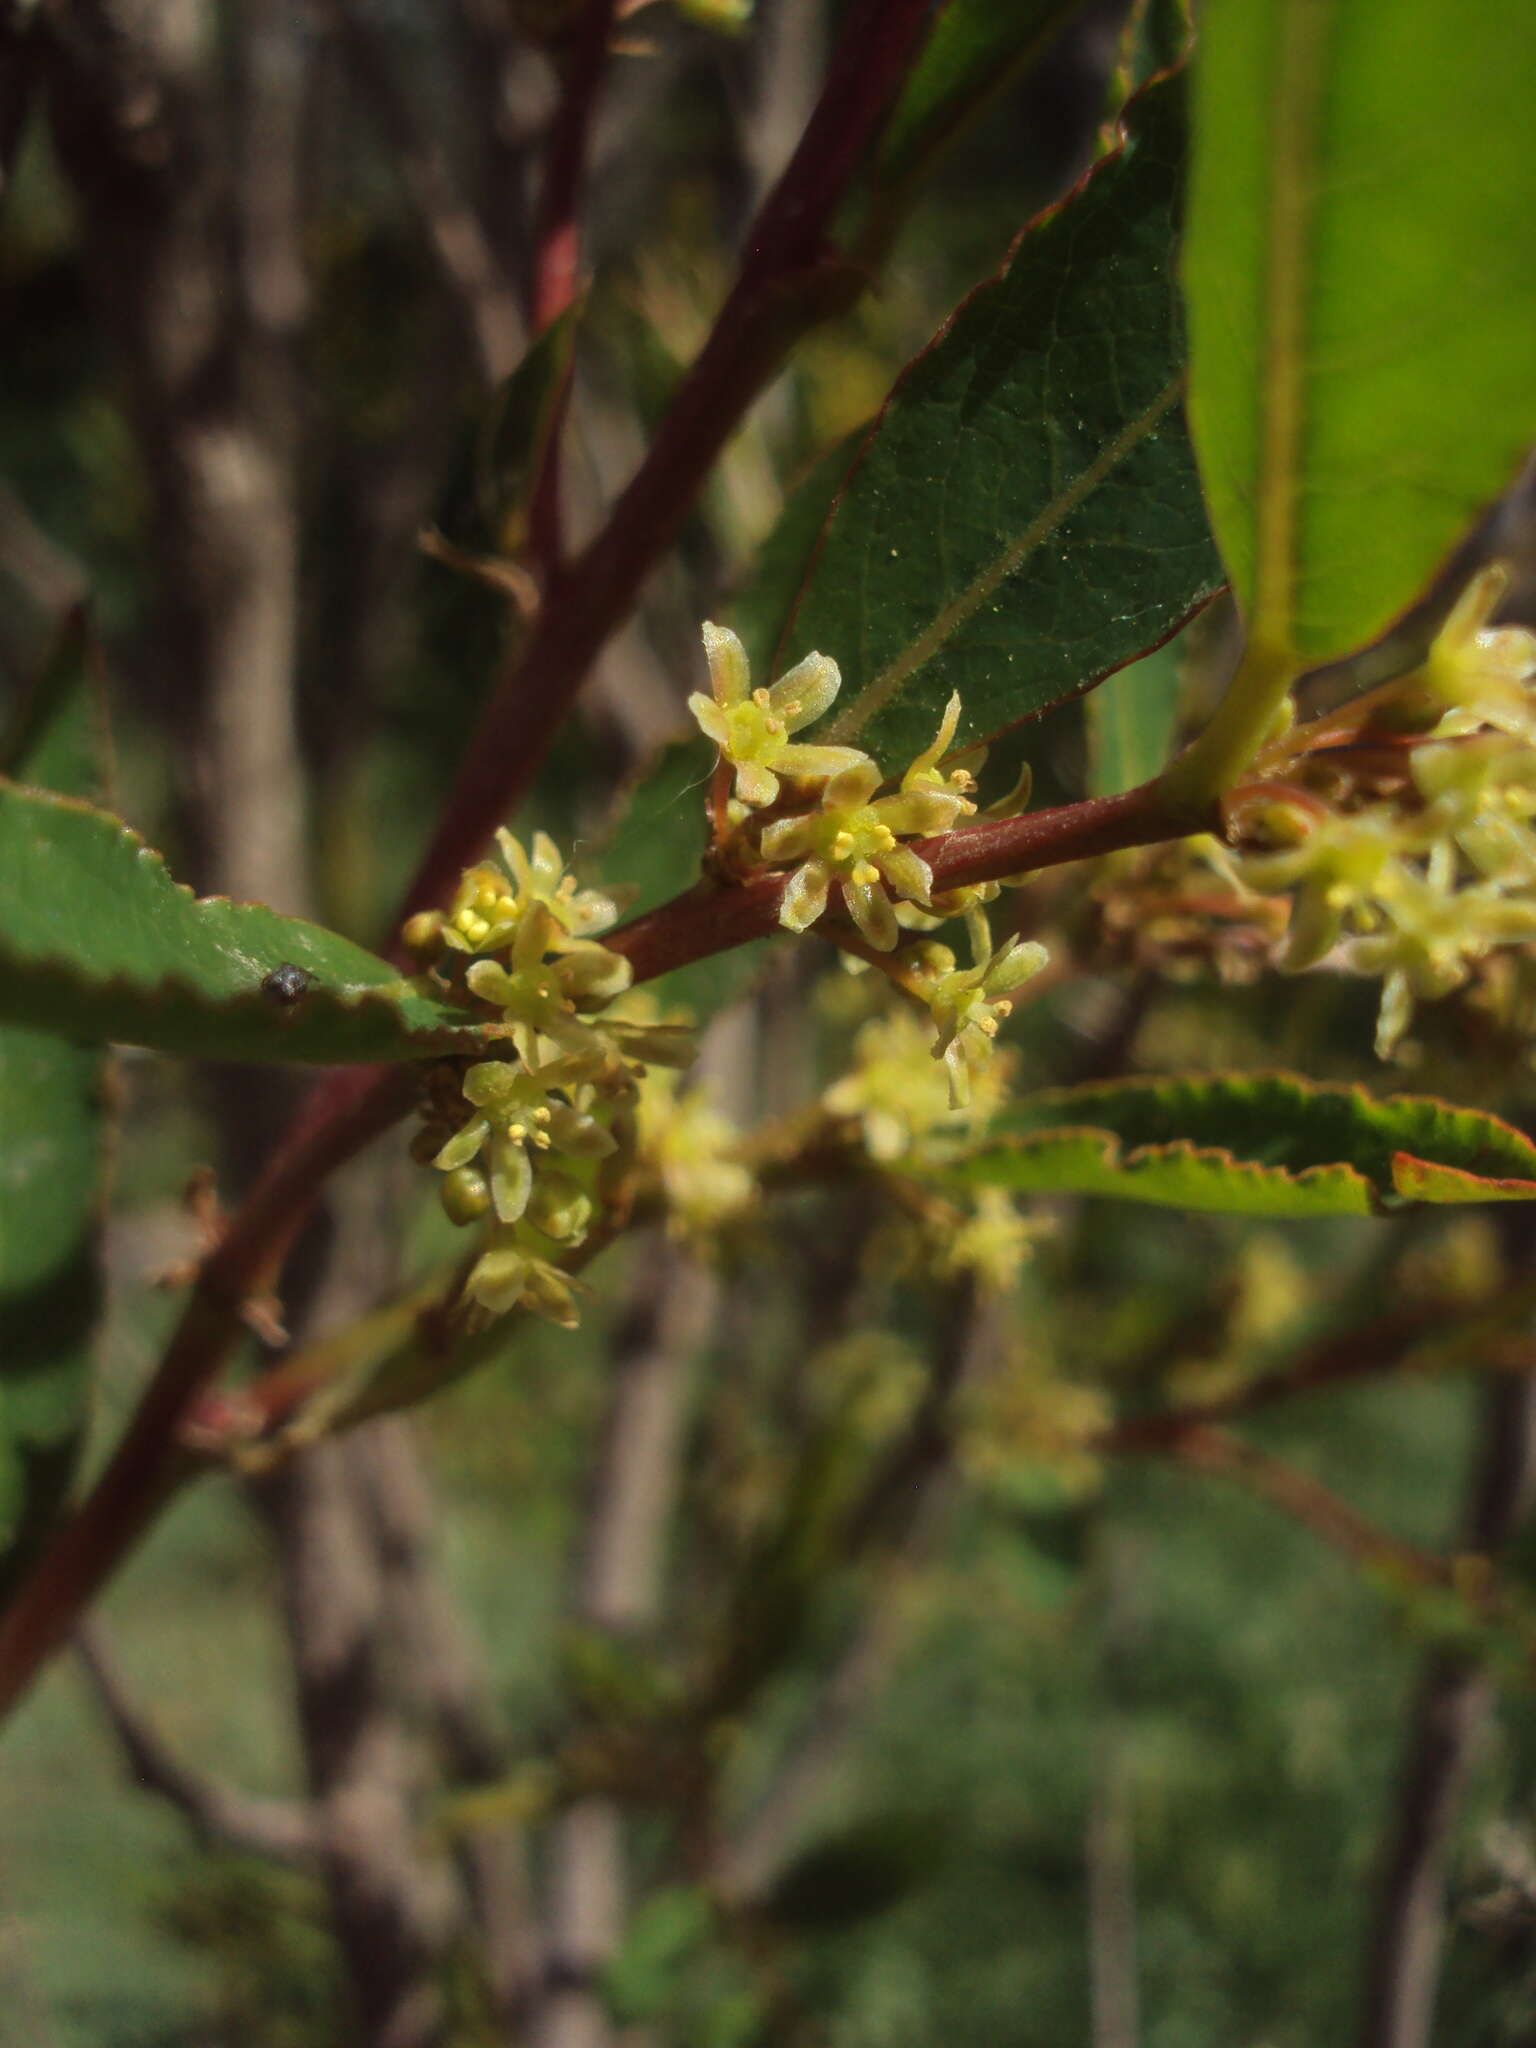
x,y
463,1145
729,675
577,1134
907,873
870,909
804,692
712,720
511,1178
928,760
1016,964
491,982
854,787
789,838
806,896
813,763
756,785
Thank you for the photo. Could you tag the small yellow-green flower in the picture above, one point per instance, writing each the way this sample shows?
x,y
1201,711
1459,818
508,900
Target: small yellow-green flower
x,y
510,1274
1479,673
489,906
899,1094
692,1149
518,1111
541,993
1340,865
969,1004
1433,932
1481,792
752,727
853,837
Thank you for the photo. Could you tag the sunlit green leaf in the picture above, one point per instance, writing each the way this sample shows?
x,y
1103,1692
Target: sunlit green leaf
x,y
1361,297
97,941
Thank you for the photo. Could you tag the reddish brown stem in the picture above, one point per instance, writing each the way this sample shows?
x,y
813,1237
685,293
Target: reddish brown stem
x,y
712,917
341,1114
1202,1448
557,255
788,281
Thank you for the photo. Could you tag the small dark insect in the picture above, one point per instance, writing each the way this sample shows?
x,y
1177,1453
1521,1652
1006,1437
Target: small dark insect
x,y
287,985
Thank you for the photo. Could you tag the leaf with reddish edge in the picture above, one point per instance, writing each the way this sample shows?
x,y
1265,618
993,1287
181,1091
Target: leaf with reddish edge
x,y
1251,1145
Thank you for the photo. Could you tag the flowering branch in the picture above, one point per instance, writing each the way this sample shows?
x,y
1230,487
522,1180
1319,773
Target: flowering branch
x,y
788,282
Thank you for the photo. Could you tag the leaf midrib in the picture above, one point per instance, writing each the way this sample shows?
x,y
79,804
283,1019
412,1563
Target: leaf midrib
x,y
880,690
1296,114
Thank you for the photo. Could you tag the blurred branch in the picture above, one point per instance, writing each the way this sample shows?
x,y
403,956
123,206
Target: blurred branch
x,y
893,1524
391,1909
481,289
444,1676
1402,1340
1200,1447
556,240
631,1494
283,1831
1453,1700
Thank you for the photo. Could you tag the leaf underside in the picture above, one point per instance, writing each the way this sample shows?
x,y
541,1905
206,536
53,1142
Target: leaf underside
x,y
98,942
1251,1145
1361,297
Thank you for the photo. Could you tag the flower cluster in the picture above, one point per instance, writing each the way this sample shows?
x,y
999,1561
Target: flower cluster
x,y
818,811
1419,882
542,1123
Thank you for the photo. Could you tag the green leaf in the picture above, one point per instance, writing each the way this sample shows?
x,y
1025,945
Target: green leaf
x,y
1025,516
1361,298
976,51
51,1128
761,609
1251,1145
1132,716
486,504
97,941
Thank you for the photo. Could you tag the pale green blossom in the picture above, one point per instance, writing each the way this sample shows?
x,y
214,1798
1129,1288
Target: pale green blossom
x,y
752,727
969,1004
520,1110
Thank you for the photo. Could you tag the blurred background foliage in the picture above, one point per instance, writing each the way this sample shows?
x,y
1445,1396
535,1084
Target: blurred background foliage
x,y
1123,1751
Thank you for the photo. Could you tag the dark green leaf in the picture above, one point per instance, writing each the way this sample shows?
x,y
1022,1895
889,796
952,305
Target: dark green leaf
x,y
1252,1145
1361,297
976,50
1025,516
761,610
97,941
